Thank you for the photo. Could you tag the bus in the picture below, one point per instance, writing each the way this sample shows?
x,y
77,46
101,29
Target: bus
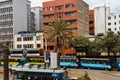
x,y
95,63
40,74
30,52
118,64
68,62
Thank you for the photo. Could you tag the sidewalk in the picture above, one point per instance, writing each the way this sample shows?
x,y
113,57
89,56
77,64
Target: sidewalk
x,y
113,73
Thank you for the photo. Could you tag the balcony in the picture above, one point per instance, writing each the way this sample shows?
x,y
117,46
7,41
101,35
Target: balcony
x,y
48,12
48,20
70,17
70,9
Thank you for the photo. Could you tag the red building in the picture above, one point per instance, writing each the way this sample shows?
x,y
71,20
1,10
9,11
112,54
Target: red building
x,y
91,22
73,12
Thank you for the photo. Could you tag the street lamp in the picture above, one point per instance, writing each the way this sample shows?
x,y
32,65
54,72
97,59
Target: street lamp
x,y
46,54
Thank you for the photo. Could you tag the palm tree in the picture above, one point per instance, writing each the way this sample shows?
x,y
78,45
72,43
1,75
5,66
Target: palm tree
x,y
59,32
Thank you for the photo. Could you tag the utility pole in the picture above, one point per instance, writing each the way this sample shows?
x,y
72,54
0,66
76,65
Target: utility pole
x,y
6,60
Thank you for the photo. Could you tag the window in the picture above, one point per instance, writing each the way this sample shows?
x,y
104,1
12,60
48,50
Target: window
x,y
38,45
18,39
70,13
70,5
115,29
114,23
109,29
90,16
28,45
114,17
91,28
46,9
109,24
27,38
38,38
19,46
51,47
51,8
58,7
109,18
90,22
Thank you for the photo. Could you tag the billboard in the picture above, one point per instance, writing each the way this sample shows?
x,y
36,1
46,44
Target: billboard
x,y
53,60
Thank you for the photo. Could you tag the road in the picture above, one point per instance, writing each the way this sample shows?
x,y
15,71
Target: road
x,y
93,74
99,74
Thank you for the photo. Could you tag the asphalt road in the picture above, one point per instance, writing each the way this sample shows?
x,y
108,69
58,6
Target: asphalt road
x,y
93,74
99,74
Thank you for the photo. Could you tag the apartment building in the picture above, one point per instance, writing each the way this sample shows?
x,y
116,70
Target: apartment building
x,y
113,22
91,22
29,40
100,20
73,12
14,17
37,18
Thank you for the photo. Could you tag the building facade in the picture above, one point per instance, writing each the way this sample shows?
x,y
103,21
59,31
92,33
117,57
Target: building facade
x,y
100,14
113,22
29,40
37,21
73,12
91,22
13,18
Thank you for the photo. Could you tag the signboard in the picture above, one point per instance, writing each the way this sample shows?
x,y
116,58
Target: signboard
x,y
24,52
46,57
28,34
53,60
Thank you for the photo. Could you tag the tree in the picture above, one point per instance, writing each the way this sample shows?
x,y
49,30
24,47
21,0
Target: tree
x,y
81,44
110,41
6,60
59,32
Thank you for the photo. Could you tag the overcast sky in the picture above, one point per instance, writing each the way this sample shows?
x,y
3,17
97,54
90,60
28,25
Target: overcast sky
x,y
114,4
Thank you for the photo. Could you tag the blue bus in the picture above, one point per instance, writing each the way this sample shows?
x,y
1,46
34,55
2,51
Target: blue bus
x,y
40,74
68,62
30,53
118,64
95,63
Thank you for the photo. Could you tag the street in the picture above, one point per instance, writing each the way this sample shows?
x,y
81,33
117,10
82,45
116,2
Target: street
x,y
99,74
93,74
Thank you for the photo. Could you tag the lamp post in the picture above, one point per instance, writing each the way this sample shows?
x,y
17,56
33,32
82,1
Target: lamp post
x,y
46,54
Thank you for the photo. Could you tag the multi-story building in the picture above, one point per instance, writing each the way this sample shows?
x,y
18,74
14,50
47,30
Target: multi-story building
x,y
100,14
29,40
14,17
113,22
106,21
37,18
91,22
73,12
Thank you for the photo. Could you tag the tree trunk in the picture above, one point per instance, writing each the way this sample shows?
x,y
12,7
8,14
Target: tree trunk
x,y
58,61
6,70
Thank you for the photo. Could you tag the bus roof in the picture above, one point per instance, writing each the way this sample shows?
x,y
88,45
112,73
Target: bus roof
x,y
39,70
94,59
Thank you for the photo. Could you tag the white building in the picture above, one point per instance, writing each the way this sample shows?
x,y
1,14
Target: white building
x,y
100,19
14,17
113,22
28,40
37,13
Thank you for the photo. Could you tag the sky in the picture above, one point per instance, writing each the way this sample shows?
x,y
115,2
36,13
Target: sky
x,y
114,4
